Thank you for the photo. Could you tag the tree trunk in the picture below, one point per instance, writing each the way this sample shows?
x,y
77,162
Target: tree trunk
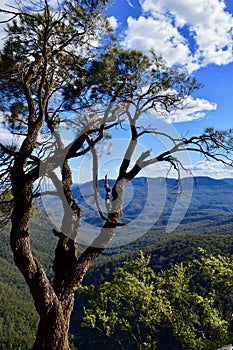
x,y
54,320
51,339
56,336
54,304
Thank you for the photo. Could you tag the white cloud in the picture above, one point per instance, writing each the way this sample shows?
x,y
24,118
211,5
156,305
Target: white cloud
x,y
215,170
113,22
147,33
6,137
208,168
13,5
162,26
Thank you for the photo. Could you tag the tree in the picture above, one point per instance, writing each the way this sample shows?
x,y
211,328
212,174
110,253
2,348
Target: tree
x,y
137,305
61,67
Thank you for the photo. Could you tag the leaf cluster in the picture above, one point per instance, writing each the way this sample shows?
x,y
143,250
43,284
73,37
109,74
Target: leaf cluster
x,y
138,304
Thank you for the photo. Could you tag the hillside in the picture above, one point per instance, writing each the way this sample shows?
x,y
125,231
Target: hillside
x,y
153,203
18,318
207,223
163,256
157,197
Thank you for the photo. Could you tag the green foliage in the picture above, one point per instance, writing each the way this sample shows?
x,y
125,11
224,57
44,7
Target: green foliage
x,y
15,331
219,269
6,204
125,304
16,118
136,75
138,304
40,50
164,251
18,317
6,201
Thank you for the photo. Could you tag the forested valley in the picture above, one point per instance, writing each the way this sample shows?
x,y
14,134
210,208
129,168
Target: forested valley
x,y
18,316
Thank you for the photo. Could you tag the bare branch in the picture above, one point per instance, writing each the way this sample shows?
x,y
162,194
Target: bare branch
x,y
108,195
95,181
8,150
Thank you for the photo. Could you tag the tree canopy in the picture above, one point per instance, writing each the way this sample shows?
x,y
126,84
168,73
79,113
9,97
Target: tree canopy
x,y
184,303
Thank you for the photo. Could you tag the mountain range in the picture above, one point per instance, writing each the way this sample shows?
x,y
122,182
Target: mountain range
x,y
205,214
151,203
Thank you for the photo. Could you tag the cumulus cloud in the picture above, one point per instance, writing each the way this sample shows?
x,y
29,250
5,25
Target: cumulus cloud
x,y
192,34
5,136
157,33
113,22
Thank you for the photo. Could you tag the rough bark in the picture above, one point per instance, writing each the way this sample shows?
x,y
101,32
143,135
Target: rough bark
x,y
53,324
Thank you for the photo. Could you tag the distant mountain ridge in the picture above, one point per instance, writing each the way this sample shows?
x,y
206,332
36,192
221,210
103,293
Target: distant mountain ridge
x,y
204,193
153,202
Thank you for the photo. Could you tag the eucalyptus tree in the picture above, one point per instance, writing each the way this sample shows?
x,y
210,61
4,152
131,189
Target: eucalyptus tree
x,y
138,305
61,67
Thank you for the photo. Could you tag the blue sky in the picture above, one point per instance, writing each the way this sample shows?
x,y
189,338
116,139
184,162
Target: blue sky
x,y
198,36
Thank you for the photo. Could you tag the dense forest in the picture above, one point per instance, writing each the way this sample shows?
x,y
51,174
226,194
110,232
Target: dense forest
x,y
18,319
208,224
